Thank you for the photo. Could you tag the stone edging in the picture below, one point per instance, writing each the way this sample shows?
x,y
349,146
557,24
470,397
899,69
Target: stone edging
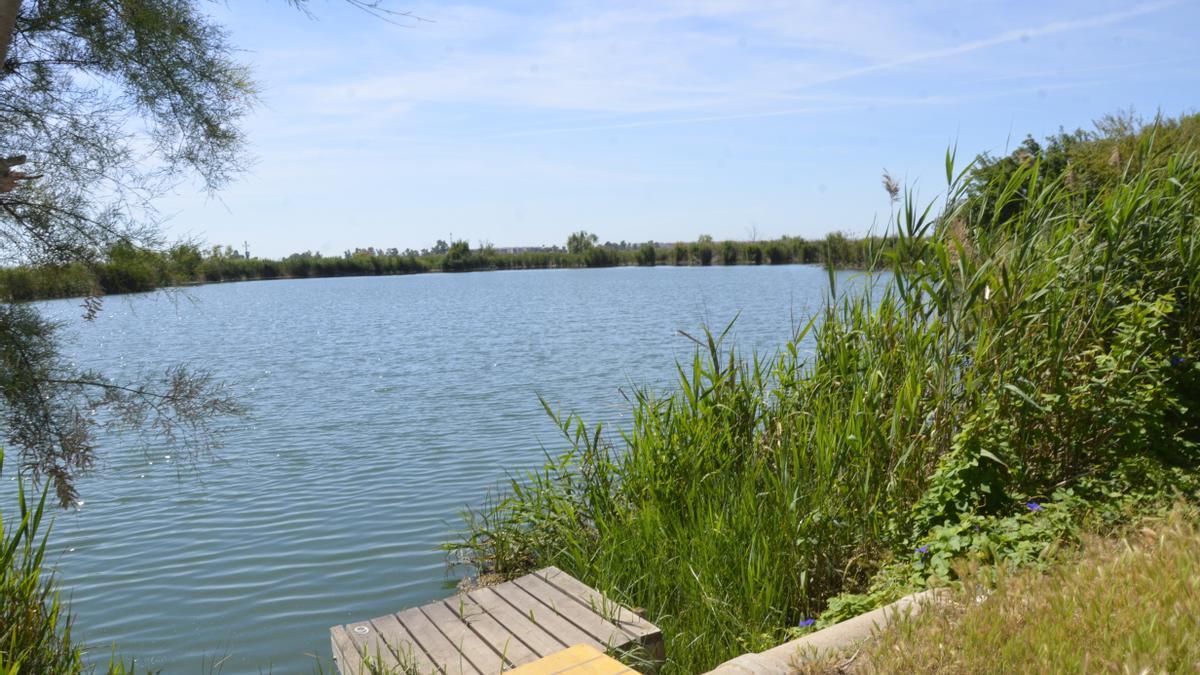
x,y
837,637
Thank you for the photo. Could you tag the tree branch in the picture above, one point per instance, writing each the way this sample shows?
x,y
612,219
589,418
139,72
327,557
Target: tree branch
x,y
8,22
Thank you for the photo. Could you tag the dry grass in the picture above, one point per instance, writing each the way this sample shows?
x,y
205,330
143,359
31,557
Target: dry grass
x,y
1130,605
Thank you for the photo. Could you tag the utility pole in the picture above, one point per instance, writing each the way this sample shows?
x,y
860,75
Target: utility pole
x,y
246,249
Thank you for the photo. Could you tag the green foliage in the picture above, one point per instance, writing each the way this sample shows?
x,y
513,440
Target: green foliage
x,y
108,105
581,242
78,78
50,408
777,254
679,254
729,253
35,628
1122,606
35,624
1032,534
458,258
702,250
1086,162
1041,353
132,269
754,254
647,256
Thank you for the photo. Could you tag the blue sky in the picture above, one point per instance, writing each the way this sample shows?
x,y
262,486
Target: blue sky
x,y
517,123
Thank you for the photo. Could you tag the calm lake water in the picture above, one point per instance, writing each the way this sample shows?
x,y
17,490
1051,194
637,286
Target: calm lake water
x,y
381,407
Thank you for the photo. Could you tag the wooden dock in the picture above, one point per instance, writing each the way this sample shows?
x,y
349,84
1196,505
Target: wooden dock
x,y
495,629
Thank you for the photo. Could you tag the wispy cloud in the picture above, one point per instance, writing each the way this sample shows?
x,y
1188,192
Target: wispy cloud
x,y
719,60
643,58
1006,37
792,112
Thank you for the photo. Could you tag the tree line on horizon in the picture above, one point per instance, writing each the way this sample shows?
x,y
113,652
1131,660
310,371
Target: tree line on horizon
x,y
129,268
1084,160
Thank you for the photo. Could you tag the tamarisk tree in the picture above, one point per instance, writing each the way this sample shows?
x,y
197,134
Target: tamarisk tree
x,y
103,105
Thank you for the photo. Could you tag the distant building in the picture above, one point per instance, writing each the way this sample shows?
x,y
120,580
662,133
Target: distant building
x,y
526,249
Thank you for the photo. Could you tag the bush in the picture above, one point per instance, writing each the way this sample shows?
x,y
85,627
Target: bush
x,y
754,254
130,269
679,254
777,253
729,253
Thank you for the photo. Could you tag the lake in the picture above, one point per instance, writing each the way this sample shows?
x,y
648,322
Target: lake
x,y
380,408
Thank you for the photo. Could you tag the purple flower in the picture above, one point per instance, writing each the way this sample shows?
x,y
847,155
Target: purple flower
x,y
922,550
805,623
1178,361
1033,506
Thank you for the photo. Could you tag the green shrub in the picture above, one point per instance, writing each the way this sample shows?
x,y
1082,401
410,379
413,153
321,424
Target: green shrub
x,y
679,254
647,255
729,253
777,253
754,254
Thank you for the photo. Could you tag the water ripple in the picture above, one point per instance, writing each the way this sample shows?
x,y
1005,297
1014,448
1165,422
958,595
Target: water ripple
x,y
382,407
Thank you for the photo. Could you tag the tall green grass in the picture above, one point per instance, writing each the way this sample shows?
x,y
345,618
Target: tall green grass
x,y
35,623
1030,336
35,628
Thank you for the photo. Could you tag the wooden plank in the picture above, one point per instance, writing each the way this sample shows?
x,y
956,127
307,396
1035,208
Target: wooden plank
x,y
362,643
594,600
534,636
562,630
490,630
343,650
440,650
578,660
404,646
477,651
648,635
572,610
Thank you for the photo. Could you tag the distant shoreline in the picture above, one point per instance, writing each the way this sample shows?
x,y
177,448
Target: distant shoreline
x,y
197,284
129,269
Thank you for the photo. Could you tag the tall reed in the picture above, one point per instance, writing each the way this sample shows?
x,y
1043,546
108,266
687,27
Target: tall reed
x,y
35,623
35,627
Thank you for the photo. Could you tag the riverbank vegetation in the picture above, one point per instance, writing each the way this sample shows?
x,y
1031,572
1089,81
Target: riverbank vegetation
x,y
126,268
1124,604
1027,372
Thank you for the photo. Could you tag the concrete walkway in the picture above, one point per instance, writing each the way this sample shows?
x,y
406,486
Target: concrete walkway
x,y
837,638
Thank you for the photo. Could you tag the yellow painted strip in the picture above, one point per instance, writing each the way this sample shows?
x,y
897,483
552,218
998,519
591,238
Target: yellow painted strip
x,y
577,660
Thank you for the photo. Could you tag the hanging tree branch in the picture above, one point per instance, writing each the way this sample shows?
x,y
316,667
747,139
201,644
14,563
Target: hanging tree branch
x,y
8,20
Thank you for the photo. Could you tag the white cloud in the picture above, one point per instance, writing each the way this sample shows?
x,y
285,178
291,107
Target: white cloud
x,y
863,104
715,58
1005,37
656,57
